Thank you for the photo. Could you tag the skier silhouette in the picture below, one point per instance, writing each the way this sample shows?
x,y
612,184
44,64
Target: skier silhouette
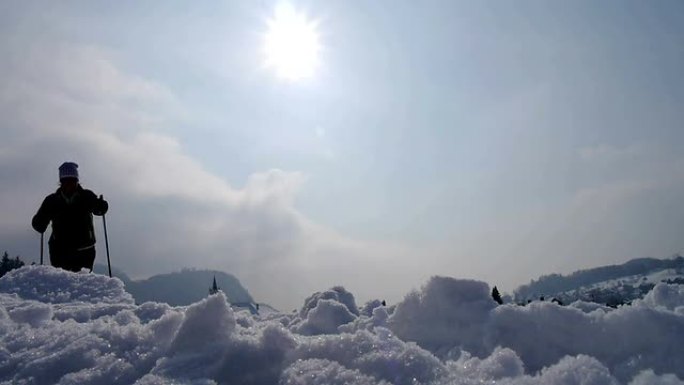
x,y
70,209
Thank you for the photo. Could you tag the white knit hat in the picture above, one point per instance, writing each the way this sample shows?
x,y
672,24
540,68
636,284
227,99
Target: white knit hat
x,y
68,170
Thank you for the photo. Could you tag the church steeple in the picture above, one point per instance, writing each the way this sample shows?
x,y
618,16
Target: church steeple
x,y
214,288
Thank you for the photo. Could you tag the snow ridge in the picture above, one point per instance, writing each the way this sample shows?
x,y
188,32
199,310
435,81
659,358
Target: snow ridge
x,y
65,328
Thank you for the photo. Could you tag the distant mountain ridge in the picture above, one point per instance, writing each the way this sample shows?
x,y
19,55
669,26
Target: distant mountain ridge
x,y
181,288
613,284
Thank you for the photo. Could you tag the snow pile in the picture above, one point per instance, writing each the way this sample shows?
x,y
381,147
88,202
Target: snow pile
x,y
626,340
450,315
670,297
325,318
337,294
47,284
589,307
324,312
445,315
368,308
378,318
324,372
450,332
649,378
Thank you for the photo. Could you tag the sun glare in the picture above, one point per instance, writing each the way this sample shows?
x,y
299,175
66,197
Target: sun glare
x,y
291,43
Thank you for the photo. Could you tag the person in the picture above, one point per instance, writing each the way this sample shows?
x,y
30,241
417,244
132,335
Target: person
x,y
70,209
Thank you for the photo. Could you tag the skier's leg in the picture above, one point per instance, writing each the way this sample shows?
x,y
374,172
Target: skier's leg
x,y
86,258
58,257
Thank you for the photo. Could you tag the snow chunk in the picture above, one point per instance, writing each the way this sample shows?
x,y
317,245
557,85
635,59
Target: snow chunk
x,y
325,372
337,293
52,285
208,322
626,340
324,312
150,311
663,295
152,379
258,358
378,319
33,313
198,347
446,313
647,377
369,306
380,355
325,318
580,370
589,307
502,363
248,357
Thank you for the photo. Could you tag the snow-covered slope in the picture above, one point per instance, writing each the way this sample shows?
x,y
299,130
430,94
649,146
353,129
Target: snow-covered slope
x,y
609,285
63,328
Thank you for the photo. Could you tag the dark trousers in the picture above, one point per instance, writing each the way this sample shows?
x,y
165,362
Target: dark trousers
x,y
72,260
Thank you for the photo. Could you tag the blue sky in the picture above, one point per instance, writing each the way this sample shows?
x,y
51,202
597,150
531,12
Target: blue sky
x,y
487,140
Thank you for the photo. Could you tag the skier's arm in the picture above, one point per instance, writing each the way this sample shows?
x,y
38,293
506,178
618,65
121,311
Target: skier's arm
x,y
42,218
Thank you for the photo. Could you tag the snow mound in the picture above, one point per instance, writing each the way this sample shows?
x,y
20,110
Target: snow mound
x,y
380,355
379,317
580,370
325,372
446,314
449,317
52,285
33,313
325,318
324,312
589,307
208,322
369,306
667,296
337,294
502,363
647,377
504,367
85,329
627,340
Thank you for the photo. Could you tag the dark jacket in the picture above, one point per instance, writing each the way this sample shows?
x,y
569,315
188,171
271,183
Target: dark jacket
x,y
72,218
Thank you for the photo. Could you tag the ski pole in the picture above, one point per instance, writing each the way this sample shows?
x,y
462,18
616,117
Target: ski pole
x,y
41,248
109,264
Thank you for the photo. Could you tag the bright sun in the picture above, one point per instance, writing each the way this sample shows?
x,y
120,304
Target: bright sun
x,y
291,43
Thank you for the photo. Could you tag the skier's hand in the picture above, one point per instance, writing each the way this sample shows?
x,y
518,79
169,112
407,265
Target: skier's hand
x,y
101,206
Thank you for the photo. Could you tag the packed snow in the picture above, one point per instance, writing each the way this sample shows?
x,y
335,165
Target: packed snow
x,y
58,327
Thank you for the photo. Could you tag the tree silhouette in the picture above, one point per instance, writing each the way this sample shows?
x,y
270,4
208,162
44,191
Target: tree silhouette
x,y
497,296
7,264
